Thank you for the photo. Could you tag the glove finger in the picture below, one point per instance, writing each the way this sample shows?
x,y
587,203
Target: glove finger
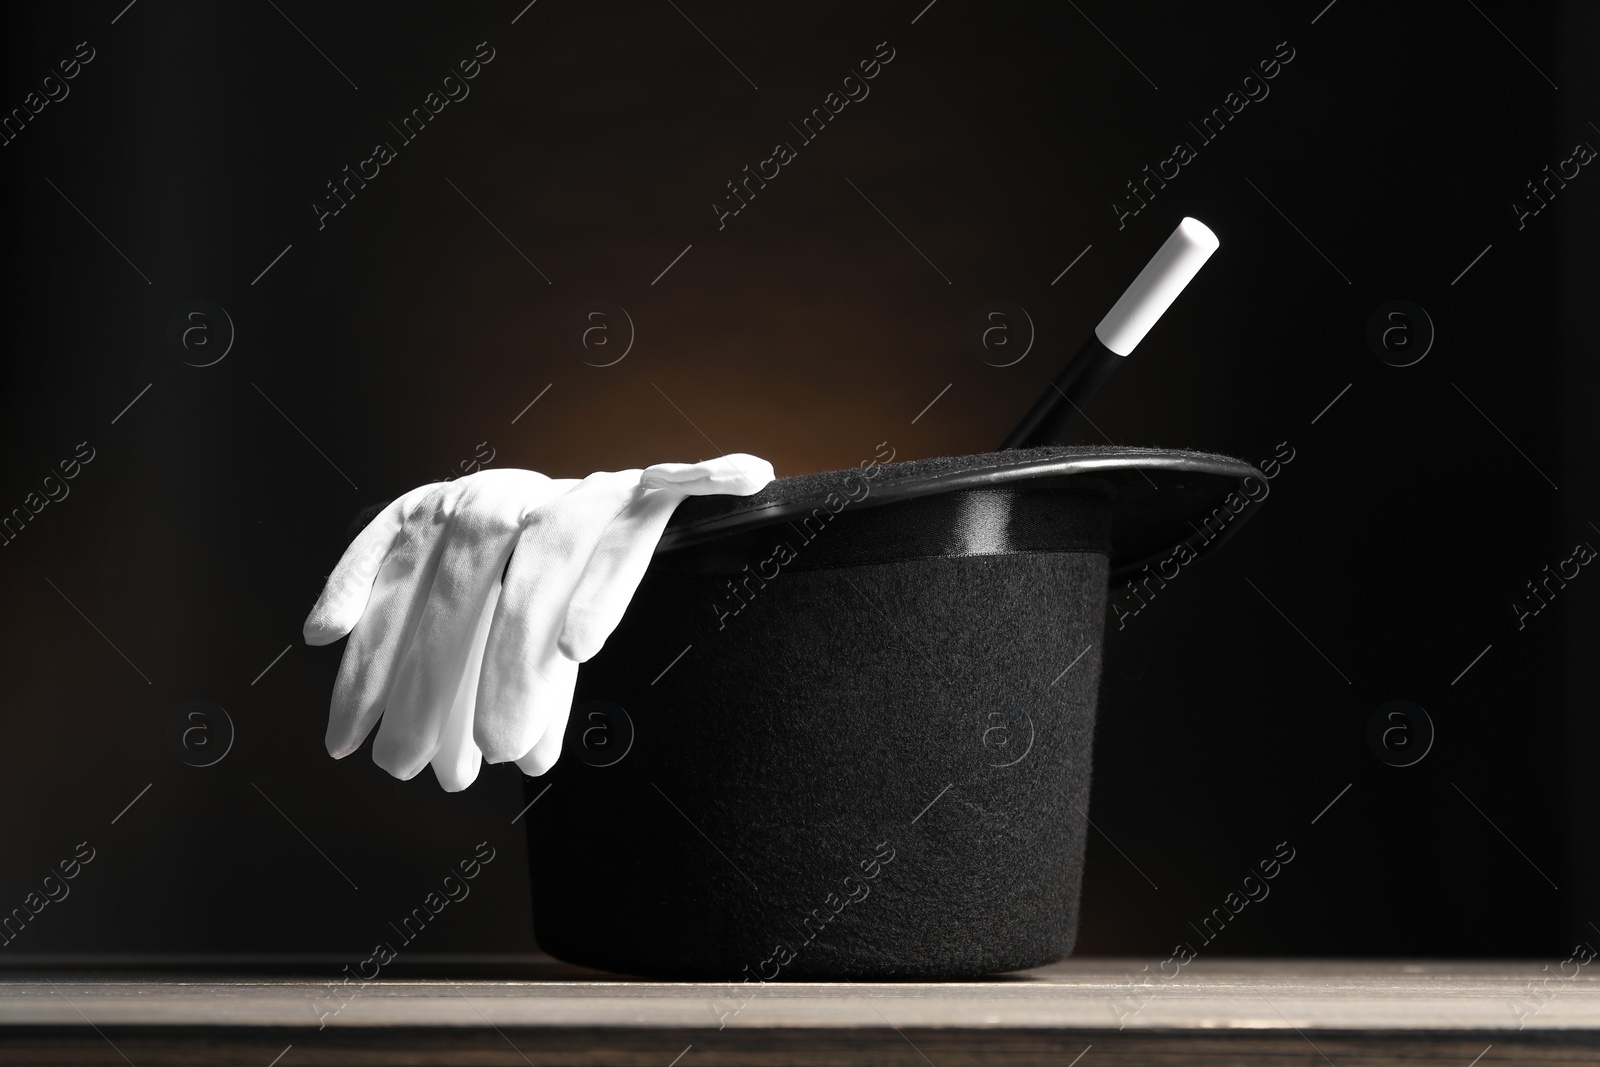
x,y
481,522
345,595
625,549
519,691
458,760
736,474
544,753
614,572
386,627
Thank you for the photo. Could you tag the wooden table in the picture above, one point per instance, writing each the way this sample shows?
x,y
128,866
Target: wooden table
x,y
1091,1012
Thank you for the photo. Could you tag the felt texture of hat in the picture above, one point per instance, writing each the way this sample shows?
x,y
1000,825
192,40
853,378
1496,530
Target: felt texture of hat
x,y
840,765
1161,496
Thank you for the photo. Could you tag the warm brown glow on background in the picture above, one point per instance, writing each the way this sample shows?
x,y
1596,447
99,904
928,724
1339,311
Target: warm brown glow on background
x,y
422,319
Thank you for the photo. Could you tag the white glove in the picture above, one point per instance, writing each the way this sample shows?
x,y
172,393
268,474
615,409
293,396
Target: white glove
x,y
461,669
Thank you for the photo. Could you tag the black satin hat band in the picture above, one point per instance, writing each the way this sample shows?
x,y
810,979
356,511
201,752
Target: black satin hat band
x,y
974,522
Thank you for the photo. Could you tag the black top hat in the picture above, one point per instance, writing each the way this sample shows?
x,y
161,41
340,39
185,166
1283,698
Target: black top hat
x,y
844,727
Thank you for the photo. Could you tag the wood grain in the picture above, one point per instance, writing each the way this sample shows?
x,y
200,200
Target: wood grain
x,y
1216,1011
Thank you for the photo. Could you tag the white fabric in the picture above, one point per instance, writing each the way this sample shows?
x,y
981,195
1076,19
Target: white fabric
x,y
461,667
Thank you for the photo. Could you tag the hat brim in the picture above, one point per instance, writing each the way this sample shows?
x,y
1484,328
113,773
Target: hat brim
x,y
1161,496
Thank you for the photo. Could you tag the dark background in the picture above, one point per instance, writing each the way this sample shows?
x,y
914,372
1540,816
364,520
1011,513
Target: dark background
x,y
379,351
